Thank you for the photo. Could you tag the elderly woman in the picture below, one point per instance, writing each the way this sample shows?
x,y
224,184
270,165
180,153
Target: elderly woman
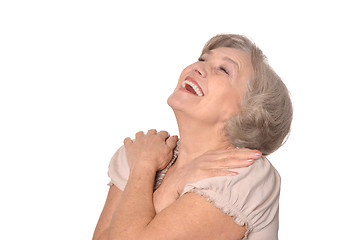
x,y
215,182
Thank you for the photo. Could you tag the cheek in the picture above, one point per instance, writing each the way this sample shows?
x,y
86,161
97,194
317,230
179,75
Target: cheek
x,y
233,100
234,95
229,102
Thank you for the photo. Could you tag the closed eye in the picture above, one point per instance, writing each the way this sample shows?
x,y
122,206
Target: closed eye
x,y
224,70
221,68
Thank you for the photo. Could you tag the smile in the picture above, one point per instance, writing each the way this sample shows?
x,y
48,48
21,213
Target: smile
x,y
192,87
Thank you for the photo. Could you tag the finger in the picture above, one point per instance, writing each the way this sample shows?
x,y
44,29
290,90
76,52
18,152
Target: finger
x,y
139,134
127,141
172,142
248,153
236,163
163,134
221,172
226,161
243,153
152,132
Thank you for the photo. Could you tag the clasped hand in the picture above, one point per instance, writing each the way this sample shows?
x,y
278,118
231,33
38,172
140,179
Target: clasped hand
x,y
151,151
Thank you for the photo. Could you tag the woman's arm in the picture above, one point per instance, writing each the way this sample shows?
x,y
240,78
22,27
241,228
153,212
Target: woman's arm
x,y
190,217
210,164
102,228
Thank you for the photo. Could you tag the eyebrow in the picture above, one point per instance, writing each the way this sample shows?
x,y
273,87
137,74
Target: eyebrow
x,y
231,60
225,58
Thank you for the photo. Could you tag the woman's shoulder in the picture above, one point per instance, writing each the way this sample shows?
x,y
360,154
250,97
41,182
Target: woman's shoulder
x,y
251,197
260,172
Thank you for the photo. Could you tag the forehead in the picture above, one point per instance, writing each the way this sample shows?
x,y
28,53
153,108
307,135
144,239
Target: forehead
x,y
233,53
227,51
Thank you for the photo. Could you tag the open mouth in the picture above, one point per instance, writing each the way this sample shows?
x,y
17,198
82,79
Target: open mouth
x,y
192,87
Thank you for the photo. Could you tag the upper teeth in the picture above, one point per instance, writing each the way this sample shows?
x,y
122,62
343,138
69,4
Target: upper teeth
x,y
194,86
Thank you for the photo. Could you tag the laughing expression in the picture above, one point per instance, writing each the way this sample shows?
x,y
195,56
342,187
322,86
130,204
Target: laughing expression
x,y
211,89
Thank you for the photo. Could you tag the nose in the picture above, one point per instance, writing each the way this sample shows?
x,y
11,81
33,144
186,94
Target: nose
x,y
200,69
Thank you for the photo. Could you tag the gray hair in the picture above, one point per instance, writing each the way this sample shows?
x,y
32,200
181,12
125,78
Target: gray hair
x,y
265,116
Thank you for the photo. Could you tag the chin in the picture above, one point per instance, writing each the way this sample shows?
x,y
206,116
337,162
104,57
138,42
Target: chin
x,y
186,111
174,101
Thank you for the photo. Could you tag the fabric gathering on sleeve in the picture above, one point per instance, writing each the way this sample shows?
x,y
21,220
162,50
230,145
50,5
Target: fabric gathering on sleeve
x,y
251,197
118,170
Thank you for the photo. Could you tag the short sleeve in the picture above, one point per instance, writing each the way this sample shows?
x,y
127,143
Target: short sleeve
x,y
251,197
118,170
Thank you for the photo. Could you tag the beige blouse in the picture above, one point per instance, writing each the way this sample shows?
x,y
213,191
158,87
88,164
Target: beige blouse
x,y
251,197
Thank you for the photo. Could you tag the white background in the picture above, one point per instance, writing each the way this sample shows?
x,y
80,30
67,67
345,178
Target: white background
x,y
77,77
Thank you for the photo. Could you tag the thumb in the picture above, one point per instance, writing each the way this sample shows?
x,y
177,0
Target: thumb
x,y
172,141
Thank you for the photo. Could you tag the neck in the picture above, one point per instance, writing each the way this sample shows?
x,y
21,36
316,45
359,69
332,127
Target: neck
x,y
198,137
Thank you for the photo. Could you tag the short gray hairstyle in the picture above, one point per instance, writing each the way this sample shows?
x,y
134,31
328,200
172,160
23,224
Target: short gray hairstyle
x,y
265,116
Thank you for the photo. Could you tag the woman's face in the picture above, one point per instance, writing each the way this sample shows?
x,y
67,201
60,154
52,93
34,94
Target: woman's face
x,y
211,89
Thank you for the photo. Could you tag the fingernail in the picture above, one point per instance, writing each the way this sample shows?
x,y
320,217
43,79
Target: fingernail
x,y
250,160
258,154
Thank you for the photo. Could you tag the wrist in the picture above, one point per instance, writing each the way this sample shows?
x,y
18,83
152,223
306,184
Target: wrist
x,y
142,171
145,166
140,179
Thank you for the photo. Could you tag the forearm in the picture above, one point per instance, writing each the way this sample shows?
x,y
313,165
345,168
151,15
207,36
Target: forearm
x,y
135,209
111,203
